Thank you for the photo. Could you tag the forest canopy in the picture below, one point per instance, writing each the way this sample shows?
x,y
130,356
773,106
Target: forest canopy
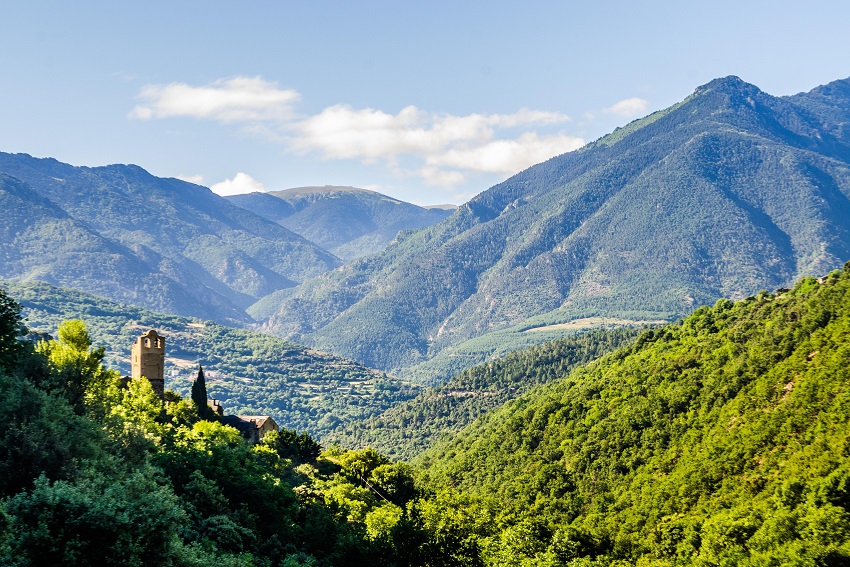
x,y
720,440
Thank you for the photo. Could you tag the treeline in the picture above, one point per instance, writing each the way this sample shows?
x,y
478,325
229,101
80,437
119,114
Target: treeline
x,y
95,473
410,427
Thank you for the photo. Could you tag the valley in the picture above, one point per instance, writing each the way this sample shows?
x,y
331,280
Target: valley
x,y
247,372
633,353
726,193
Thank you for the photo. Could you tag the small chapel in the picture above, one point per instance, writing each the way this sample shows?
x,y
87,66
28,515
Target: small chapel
x,y
147,360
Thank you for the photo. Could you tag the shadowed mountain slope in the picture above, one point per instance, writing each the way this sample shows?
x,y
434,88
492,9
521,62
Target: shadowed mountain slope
x,y
41,242
728,192
180,247
347,221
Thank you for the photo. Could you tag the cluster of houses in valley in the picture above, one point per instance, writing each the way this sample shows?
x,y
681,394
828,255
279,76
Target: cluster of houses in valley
x,y
148,361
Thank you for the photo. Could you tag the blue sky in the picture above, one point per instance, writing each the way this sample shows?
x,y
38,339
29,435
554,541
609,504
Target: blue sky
x,y
428,102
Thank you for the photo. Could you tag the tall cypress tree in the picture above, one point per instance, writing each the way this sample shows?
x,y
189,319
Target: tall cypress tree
x,y
199,395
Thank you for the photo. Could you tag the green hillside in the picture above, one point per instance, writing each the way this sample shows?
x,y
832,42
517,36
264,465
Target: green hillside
x,y
411,427
346,221
722,440
249,372
161,243
455,359
726,193
94,471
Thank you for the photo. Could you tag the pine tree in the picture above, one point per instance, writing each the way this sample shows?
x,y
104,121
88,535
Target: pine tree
x,y
199,395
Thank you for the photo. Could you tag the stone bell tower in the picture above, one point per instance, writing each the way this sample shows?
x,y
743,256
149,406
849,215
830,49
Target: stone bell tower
x,y
148,360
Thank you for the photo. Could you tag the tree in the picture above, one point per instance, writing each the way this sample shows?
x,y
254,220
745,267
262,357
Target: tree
x,y
289,444
199,396
136,421
40,435
360,464
77,370
128,520
10,329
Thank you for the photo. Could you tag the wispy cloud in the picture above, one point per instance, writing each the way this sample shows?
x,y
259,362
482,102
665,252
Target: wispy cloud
x,y
240,99
443,149
449,146
629,108
196,179
506,156
239,184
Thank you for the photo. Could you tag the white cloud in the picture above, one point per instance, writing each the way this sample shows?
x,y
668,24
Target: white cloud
x,y
341,132
240,99
442,149
629,107
526,116
507,156
441,177
196,179
450,146
239,184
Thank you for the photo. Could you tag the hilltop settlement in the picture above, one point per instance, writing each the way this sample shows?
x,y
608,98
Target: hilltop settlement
x,y
148,363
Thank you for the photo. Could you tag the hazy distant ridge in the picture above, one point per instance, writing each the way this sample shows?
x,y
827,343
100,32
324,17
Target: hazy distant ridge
x,y
346,221
161,243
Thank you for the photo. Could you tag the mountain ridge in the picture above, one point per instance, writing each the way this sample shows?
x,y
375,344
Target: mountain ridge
x,y
413,426
347,221
730,191
196,244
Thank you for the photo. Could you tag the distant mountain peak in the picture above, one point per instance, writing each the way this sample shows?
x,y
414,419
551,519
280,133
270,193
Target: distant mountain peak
x,y
443,206
840,88
120,231
347,221
731,84
727,192
323,190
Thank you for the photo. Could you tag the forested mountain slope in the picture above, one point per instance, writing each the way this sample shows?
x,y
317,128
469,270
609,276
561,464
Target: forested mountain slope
x,y
250,373
96,471
38,240
347,221
726,193
722,440
411,427
160,243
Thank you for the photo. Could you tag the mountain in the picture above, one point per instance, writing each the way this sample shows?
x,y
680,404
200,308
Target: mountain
x,y
728,192
162,243
346,221
250,373
41,241
721,440
412,426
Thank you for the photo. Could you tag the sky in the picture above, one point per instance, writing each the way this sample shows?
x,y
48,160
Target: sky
x,y
428,102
